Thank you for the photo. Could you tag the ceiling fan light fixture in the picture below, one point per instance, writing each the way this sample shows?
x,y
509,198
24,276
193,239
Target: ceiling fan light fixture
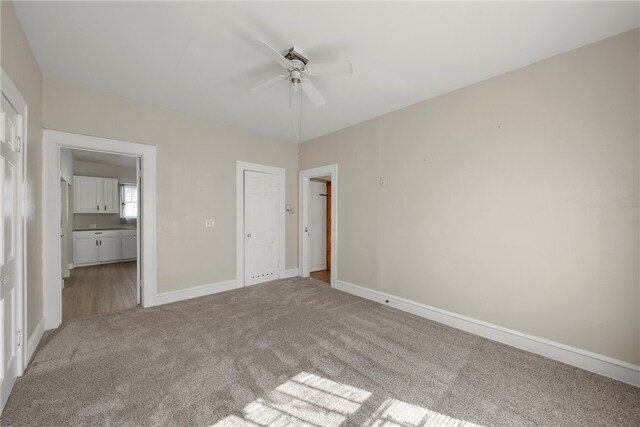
x,y
296,79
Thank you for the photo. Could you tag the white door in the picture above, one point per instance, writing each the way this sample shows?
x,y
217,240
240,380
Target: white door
x,y
139,228
10,297
109,248
88,192
317,230
64,228
111,196
261,195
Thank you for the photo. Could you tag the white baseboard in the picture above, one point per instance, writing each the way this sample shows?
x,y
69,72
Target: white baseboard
x,y
198,291
34,339
603,365
318,267
70,266
292,272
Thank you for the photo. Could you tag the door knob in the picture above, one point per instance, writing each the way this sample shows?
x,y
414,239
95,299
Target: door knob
x,y
248,235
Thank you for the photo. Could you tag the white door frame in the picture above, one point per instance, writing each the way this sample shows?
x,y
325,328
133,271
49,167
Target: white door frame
x,y
305,179
281,173
13,95
52,142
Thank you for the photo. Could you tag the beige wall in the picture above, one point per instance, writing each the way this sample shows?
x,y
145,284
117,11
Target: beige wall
x,y
102,170
513,201
123,174
21,67
195,176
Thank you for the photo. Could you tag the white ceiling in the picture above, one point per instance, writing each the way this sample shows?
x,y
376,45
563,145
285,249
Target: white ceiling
x,y
104,158
196,57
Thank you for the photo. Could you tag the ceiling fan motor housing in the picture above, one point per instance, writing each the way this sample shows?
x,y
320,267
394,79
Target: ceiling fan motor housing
x,y
293,55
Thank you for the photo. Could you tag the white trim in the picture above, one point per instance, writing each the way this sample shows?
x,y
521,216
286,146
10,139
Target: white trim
x,y
292,272
198,291
12,93
282,188
52,142
34,339
19,102
603,365
305,178
71,266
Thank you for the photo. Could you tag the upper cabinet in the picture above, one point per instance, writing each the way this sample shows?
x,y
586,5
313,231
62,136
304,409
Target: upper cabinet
x,y
111,196
96,195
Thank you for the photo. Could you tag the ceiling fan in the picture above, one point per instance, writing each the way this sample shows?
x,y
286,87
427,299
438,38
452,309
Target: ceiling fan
x,y
298,69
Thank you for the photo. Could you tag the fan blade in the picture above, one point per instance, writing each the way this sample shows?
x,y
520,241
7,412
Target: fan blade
x,y
326,68
312,93
272,53
268,83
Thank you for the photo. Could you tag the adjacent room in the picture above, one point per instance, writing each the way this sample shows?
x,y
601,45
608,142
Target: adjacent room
x,y
319,228
358,213
99,250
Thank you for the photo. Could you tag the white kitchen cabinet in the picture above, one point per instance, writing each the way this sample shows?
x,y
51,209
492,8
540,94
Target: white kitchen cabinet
x,y
85,250
111,196
96,195
102,246
110,249
86,194
129,246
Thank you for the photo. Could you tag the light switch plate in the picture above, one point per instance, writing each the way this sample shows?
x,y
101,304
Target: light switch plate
x,y
209,223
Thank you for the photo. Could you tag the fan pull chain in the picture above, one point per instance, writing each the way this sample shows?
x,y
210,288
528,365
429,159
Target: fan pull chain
x,y
300,126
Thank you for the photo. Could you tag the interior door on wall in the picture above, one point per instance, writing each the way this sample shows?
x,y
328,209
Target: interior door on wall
x,y
317,229
64,228
139,230
10,165
261,248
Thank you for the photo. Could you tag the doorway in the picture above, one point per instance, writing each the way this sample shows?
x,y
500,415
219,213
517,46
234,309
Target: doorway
x,y
319,229
99,215
260,223
318,223
96,201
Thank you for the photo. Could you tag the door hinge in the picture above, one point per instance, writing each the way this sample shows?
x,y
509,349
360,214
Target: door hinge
x,y
19,145
19,337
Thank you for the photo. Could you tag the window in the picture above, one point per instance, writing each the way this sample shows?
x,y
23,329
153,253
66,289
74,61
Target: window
x,y
129,199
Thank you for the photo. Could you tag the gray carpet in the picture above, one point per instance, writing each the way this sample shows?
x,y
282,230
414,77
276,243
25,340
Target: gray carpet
x,y
298,352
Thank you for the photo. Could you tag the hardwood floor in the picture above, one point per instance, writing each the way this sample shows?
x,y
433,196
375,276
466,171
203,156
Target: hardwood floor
x,y
324,275
99,289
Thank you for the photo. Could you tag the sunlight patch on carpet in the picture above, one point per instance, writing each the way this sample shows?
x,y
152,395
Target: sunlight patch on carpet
x,y
393,412
310,400
304,400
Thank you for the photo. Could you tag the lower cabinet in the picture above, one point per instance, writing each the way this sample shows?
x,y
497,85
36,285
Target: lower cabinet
x,y
95,247
85,250
128,244
109,249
